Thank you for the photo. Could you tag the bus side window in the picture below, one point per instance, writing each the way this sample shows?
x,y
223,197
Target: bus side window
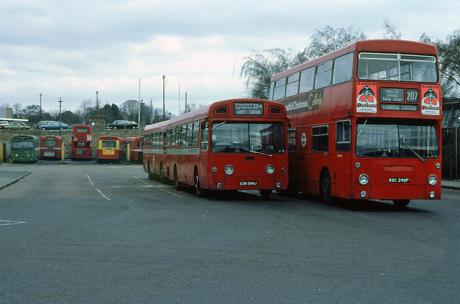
x,y
204,135
292,140
320,138
343,130
183,137
195,134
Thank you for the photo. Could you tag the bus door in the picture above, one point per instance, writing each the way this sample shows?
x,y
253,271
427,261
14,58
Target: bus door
x,y
343,159
204,151
294,158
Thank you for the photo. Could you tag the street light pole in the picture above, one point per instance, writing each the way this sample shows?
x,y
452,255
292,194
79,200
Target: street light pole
x,y
164,113
60,115
40,115
186,110
139,100
97,100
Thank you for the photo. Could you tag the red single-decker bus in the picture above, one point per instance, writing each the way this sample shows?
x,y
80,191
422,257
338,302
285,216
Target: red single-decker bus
x,y
365,122
82,142
237,144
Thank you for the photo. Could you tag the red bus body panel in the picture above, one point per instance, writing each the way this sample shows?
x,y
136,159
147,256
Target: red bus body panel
x,y
82,142
249,168
136,148
339,102
48,151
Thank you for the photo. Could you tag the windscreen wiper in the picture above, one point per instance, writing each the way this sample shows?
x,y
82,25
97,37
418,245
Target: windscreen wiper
x,y
261,153
218,125
412,150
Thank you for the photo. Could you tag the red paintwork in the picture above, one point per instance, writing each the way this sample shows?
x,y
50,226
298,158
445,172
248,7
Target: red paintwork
x,y
136,148
247,166
339,103
82,142
50,152
116,154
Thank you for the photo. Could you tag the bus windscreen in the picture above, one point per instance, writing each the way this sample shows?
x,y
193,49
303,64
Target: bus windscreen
x,y
233,137
396,139
22,145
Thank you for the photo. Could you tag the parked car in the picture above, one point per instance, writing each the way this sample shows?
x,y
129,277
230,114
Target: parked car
x,y
52,125
123,124
3,124
17,125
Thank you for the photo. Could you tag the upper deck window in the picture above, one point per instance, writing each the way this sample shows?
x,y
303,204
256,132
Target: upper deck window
x,y
307,78
280,89
323,75
343,68
397,67
292,87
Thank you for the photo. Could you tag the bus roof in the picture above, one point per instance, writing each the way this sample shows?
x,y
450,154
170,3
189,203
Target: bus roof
x,y
378,45
202,112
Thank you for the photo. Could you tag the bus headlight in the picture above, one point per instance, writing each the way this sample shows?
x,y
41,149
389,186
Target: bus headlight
x,y
432,180
363,179
270,169
228,169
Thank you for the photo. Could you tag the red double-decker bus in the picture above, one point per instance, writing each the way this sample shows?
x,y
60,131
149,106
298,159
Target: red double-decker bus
x,y
50,147
135,143
82,142
237,144
110,149
366,122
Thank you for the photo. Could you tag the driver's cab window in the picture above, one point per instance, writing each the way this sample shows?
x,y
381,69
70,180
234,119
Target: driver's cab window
x,y
204,135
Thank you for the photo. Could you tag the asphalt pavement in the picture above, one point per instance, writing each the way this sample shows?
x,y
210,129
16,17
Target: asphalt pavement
x,y
86,232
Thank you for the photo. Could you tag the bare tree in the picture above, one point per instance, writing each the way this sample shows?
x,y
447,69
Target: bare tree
x,y
329,39
391,31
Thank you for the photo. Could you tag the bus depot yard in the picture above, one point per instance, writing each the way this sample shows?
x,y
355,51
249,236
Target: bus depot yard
x,y
86,232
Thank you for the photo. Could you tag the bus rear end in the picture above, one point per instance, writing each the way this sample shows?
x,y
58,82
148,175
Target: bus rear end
x,y
82,142
109,148
136,148
248,148
50,147
24,148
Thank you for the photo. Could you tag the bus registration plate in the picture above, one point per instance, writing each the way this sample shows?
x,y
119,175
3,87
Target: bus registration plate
x,y
398,180
48,153
108,152
245,183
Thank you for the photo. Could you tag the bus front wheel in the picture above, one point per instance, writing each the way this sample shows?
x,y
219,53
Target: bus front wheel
x,y
176,180
326,188
151,175
400,204
162,174
197,186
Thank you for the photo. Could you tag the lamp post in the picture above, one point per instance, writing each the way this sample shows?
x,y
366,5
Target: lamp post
x,y
40,113
60,115
164,113
139,101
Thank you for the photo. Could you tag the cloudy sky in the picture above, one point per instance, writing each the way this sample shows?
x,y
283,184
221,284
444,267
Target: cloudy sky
x,y
71,49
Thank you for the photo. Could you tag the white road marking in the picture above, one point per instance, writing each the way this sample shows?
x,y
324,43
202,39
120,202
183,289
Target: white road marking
x,y
102,194
158,188
97,189
90,180
8,223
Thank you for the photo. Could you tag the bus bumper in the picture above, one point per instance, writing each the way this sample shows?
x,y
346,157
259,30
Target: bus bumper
x,y
396,192
248,183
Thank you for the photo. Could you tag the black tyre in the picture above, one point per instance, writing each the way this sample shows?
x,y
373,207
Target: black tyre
x,y
176,180
400,204
150,174
197,186
266,194
326,188
162,175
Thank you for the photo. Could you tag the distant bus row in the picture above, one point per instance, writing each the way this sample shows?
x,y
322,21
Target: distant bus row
x,y
28,148
364,123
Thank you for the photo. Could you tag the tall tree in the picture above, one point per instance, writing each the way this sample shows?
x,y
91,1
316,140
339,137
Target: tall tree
x,y
259,68
329,39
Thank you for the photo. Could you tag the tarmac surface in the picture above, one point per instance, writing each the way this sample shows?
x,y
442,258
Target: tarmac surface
x,y
105,233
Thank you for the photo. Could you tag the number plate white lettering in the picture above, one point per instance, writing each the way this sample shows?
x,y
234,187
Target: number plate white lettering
x,y
398,180
248,183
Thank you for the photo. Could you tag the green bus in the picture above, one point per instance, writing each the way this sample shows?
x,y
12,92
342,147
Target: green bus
x,y
24,148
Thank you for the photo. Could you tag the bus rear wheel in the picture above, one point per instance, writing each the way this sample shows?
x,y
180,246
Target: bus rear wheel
x,y
266,194
326,188
151,175
176,180
162,175
400,204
